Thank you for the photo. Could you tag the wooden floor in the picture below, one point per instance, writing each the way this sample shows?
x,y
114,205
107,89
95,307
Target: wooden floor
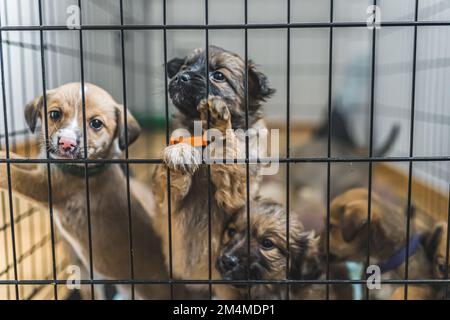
x,y
33,246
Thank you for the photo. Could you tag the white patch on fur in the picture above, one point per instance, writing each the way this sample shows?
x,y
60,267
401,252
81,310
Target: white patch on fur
x,y
116,152
68,133
182,157
85,90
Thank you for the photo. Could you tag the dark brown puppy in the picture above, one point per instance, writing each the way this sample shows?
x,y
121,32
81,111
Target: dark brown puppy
x,y
349,233
189,179
436,246
189,198
268,255
225,78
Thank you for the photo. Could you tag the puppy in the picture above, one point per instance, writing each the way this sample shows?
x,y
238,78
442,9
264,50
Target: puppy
x,y
436,245
267,259
188,178
107,183
189,196
349,235
226,79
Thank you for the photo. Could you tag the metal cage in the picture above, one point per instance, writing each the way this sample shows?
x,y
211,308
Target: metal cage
x,y
44,247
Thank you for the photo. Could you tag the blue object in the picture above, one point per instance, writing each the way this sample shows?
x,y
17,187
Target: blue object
x,y
400,256
355,270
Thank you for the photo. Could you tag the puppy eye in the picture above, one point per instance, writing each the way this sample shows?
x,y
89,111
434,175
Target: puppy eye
x,y
55,115
231,232
96,124
218,76
267,243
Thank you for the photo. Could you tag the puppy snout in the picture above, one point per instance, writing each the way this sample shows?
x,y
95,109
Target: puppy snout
x,y
229,262
183,77
66,144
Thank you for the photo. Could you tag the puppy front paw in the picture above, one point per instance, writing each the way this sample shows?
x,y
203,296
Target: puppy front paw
x,y
220,117
182,157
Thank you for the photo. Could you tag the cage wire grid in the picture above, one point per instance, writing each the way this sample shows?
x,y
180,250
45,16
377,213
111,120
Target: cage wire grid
x,y
11,135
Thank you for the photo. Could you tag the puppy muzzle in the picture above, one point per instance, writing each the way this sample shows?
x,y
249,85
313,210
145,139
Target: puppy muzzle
x,y
186,90
67,144
232,268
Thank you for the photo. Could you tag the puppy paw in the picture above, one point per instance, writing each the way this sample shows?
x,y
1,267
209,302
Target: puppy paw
x,y
182,157
220,117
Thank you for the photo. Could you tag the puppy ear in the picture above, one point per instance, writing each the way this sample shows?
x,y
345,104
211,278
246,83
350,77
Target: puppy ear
x,y
173,66
305,258
33,111
258,84
431,240
134,129
354,219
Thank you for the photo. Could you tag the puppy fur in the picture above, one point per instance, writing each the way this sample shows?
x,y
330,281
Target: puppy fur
x,y
309,178
189,201
188,177
269,255
108,197
226,79
436,245
349,233
308,187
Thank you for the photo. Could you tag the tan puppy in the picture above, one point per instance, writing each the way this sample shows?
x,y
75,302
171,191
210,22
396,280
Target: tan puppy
x,y
108,197
436,246
189,197
349,234
269,254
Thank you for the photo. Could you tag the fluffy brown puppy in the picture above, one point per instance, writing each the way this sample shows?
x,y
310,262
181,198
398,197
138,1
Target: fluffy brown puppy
x,y
268,256
349,235
436,246
107,183
188,178
189,197
225,79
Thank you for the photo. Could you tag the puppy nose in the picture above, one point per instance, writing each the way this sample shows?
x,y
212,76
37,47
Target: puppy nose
x,y
184,77
66,144
229,262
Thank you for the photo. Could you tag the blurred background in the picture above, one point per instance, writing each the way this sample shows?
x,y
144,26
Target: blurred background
x,y
309,71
